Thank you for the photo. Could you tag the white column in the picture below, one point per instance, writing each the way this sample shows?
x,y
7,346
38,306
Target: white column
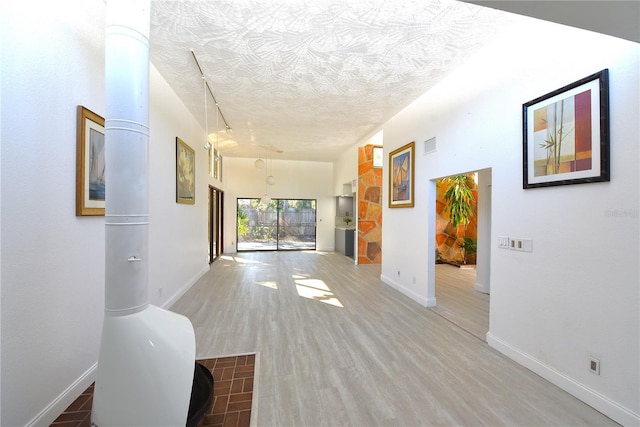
x,y
126,142
147,355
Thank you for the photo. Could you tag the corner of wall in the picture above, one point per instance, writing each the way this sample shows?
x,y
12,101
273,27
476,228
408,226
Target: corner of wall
x,y
420,299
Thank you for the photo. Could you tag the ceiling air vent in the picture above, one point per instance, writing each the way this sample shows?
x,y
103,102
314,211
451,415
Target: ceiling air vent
x,y
430,145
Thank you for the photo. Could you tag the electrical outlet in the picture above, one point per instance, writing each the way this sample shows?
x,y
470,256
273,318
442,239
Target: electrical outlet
x,y
503,242
594,365
518,244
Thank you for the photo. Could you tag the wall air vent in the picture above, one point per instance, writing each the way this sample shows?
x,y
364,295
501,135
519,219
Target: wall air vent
x,y
430,145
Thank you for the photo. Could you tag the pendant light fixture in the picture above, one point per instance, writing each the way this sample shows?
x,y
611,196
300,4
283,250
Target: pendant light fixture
x,y
259,163
266,199
271,180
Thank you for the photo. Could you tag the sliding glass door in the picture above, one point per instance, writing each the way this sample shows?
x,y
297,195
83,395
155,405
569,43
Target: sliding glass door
x,y
282,224
296,224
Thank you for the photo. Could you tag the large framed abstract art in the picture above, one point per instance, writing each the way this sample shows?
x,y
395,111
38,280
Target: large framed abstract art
x,y
566,134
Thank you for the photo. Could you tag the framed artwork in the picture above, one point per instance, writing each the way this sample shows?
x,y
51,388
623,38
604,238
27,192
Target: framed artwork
x,y
90,163
215,163
377,157
401,176
566,134
185,173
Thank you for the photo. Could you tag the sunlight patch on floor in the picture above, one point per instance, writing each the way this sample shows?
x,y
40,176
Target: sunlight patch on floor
x,y
313,283
240,260
316,290
268,284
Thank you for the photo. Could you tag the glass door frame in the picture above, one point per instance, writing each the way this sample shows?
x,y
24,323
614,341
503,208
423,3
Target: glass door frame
x,y
215,221
273,230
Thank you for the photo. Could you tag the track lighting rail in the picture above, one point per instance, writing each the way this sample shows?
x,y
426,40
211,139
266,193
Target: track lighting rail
x,y
227,127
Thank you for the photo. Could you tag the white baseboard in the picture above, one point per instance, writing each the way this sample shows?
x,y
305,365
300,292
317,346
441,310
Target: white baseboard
x,y
175,297
481,288
425,302
66,398
601,403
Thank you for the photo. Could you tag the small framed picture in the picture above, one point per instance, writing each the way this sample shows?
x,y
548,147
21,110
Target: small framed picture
x,y
401,176
377,157
90,163
185,173
566,134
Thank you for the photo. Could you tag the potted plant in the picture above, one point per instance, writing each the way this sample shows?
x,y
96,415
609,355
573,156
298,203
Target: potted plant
x,y
459,205
468,246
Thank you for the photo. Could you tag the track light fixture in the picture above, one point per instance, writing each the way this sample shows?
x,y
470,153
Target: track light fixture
x,y
207,145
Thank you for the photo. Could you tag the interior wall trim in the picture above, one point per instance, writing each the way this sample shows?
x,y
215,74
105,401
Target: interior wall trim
x,y
175,297
60,403
425,302
49,414
601,403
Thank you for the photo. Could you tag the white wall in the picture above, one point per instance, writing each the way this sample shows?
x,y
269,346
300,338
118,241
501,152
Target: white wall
x,y
174,266
52,261
345,170
52,279
576,295
294,180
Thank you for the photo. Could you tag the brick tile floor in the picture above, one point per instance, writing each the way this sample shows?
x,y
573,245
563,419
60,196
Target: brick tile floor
x,y
233,393
232,390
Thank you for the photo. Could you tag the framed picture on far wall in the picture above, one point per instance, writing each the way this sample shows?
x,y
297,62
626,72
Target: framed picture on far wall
x,y
90,163
185,173
566,134
401,176
377,157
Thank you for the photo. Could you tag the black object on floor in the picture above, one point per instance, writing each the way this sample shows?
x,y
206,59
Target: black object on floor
x,y
201,395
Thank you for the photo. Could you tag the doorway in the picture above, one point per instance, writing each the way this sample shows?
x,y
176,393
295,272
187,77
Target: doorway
x,y
280,224
216,208
463,251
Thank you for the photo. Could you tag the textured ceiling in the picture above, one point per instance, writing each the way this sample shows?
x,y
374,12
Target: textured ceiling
x,y
310,78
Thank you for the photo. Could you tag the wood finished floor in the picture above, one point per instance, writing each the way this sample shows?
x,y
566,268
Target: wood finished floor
x,y
340,348
459,302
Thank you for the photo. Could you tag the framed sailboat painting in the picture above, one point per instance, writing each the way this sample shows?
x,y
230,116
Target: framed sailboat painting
x,y
90,163
401,176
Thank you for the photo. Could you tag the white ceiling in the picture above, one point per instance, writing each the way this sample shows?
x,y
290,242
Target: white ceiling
x,y
310,78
